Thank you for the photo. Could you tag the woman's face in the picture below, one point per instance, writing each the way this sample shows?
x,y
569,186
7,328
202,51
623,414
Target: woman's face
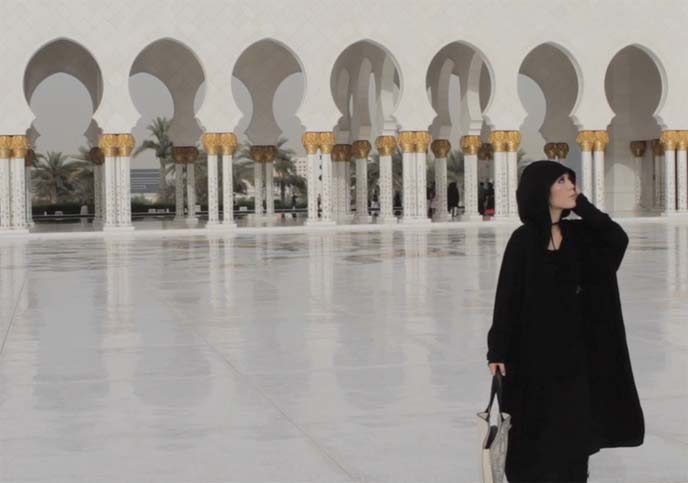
x,y
563,193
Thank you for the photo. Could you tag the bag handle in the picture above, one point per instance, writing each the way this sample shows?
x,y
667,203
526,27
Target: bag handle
x,y
497,384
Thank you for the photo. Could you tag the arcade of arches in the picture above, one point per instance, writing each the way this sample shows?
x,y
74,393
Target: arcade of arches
x,y
631,164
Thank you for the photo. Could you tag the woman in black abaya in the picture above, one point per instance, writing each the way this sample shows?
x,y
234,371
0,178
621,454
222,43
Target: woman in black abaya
x,y
558,334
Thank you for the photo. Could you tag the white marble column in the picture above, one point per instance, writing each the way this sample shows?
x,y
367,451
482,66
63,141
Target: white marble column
x,y
586,139
347,187
126,146
311,143
211,144
657,165
96,157
361,150
407,142
5,152
423,140
440,149
258,183
386,146
512,144
191,192
682,174
179,191
470,145
269,189
341,157
28,165
228,144
501,200
670,140
20,147
327,141
638,151
108,144
213,202
600,144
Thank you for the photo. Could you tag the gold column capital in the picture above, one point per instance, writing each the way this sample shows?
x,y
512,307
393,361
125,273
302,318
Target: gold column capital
x,y
211,143
486,152
20,144
638,148
327,141
669,140
682,140
30,158
184,154
341,152
407,141
470,144
513,141
228,143
125,143
562,150
440,148
550,150
269,153
499,139
311,141
108,143
386,145
95,155
601,140
257,153
423,140
5,147
361,149
586,140
657,148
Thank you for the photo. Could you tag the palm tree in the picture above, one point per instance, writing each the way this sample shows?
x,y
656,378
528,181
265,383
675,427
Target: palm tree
x,y
161,145
54,176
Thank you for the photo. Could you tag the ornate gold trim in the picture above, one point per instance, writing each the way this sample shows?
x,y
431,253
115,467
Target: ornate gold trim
x,y
486,152
550,150
341,152
5,147
638,148
361,149
669,140
470,144
311,142
108,143
657,148
96,156
440,148
20,144
184,154
228,143
586,140
211,143
386,145
423,140
682,142
30,158
407,141
327,141
126,144
513,141
499,140
601,140
562,150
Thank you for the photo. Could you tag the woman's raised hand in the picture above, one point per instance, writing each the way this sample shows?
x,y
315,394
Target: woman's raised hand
x,y
497,365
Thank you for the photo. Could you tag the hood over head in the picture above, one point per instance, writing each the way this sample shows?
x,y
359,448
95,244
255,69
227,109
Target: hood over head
x,y
532,195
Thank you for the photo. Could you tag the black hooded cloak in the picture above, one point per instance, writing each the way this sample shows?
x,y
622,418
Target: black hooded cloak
x,y
558,327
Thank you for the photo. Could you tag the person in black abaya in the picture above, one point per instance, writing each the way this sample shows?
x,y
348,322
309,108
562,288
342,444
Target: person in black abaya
x,y
558,334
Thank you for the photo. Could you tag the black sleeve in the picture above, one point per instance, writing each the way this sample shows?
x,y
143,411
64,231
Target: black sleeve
x,y
609,240
508,298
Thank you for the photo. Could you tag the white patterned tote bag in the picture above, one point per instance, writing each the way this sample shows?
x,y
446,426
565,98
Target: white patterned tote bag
x,y
494,436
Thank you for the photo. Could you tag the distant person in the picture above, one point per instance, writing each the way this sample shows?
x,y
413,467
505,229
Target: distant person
x,y
453,198
397,203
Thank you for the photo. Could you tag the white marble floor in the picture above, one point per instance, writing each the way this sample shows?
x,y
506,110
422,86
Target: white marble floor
x,y
294,357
